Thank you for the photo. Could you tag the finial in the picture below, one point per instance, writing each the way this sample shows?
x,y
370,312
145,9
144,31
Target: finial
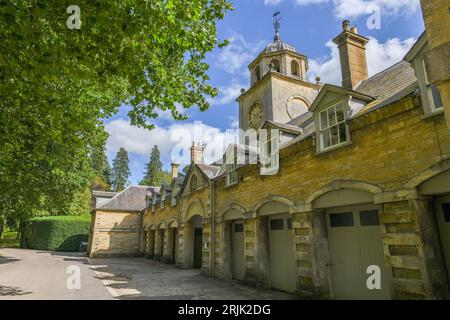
x,y
276,24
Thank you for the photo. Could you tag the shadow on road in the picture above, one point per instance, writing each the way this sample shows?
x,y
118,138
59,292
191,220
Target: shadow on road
x,y
5,260
12,291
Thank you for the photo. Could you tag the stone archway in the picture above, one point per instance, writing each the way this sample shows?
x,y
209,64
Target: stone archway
x,y
191,231
347,236
274,248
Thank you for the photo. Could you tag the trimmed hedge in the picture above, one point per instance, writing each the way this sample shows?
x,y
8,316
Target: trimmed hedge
x,y
55,233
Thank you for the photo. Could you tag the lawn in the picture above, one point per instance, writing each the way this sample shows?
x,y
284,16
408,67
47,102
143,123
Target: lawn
x,y
9,239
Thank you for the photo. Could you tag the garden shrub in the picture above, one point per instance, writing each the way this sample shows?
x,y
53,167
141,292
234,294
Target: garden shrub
x,y
55,233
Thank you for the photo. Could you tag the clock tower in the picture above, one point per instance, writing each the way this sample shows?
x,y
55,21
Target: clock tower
x,y
279,90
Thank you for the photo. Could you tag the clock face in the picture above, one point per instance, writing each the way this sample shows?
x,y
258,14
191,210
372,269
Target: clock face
x,y
255,116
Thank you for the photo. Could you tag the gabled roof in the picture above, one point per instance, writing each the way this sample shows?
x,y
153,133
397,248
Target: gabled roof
x,y
133,198
339,90
209,170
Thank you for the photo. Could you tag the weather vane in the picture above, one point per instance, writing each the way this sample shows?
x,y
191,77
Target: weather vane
x,y
276,24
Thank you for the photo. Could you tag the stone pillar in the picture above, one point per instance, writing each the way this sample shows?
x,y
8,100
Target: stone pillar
x,y
186,247
257,271
158,244
223,251
206,247
312,253
411,246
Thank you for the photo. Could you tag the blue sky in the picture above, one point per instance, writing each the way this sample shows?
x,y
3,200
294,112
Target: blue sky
x,y
307,24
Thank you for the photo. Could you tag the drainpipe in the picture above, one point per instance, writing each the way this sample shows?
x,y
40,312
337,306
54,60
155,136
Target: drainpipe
x,y
213,228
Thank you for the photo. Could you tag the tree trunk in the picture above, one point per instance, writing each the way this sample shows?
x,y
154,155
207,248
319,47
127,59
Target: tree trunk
x,y
2,227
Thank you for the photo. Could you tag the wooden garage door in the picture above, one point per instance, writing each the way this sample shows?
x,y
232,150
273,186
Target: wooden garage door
x,y
443,220
355,244
281,251
237,246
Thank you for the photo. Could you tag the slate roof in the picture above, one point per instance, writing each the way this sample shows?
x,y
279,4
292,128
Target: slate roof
x,y
133,198
210,171
388,86
286,127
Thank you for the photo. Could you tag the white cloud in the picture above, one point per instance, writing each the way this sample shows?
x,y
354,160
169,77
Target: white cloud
x,y
228,94
178,136
235,57
379,57
357,8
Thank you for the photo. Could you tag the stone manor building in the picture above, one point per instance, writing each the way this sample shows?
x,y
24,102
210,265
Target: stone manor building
x,y
362,186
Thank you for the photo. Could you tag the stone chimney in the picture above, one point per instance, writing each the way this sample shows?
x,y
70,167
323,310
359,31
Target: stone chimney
x,y
197,153
352,52
175,167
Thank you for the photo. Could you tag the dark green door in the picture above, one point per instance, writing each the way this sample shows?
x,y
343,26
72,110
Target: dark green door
x,y
198,239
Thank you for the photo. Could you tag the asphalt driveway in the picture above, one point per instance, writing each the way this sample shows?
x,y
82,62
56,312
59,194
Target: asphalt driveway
x,y
34,274
31,274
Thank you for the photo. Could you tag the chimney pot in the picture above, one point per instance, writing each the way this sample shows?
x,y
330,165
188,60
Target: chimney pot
x,y
175,167
346,25
197,153
352,52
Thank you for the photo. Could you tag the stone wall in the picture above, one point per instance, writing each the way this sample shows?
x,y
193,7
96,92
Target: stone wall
x,y
116,234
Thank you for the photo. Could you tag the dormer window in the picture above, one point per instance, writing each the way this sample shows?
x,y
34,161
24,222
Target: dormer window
x,y
333,127
269,151
174,196
295,69
232,176
163,198
431,97
194,183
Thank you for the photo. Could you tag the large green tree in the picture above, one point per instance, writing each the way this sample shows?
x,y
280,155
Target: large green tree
x,y
58,83
121,170
154,174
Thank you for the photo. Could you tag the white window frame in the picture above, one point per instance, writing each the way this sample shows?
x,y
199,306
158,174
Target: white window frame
x,y
329,127
232,175
426,87
270,152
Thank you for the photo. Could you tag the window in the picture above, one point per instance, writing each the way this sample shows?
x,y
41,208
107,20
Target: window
x,y
369,218
232,177
277,224
275,65
194,182
333,128
341,220
239,227
430,93
295,70
257,73
289,223
270,151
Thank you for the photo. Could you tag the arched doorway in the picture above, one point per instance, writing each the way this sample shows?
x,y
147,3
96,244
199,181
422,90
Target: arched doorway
x,y
159,243
437,189
172,243
277,244
352,224
193,235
